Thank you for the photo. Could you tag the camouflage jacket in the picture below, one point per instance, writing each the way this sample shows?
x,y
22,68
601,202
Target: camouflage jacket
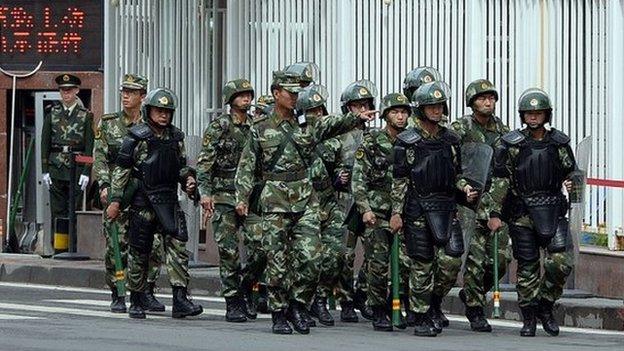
x,y
326,166
222,146
504,163
470,131
108,137
287,185
75,130
122,175
400,185
372,173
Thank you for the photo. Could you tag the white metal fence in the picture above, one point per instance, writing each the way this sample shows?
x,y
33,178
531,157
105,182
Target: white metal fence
x,y
572,49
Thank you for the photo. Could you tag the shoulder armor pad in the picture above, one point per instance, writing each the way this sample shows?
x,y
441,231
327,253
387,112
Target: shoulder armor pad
x,y
410,136
514,137
177,134
108,116
559,137
451,136
140,131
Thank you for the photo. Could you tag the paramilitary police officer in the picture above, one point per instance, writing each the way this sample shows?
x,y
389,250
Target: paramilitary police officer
x,y
533,163
427,170
152,154
414,79
358,97
371,187
279,154
110,132
67,129
263,106
223,143
482,126
327,178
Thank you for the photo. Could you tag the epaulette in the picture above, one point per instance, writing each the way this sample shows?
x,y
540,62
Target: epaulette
x,y
514,137
410,136
177,133
108,116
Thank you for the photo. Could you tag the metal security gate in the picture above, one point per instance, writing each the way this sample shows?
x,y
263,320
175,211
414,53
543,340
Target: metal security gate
x,y
569,48
177,44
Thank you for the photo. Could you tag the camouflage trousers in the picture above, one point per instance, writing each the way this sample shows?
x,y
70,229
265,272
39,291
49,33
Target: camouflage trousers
x,y
345,287
256,258
155,258
176,256
333,251
532,285
226,225
435,277
377,253
479,265
293,246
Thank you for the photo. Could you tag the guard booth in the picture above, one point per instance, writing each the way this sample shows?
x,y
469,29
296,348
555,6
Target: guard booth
x,y
67,37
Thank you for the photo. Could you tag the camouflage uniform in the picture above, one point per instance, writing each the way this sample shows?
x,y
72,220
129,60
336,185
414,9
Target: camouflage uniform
x,y
71,127
110,132
526,189
433,237
371,186
135,165
478,276
288,203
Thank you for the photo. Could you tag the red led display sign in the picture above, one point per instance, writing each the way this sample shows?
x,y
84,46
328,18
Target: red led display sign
x,y
64,34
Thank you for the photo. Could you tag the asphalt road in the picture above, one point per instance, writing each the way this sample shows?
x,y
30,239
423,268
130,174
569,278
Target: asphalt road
x,y
39,317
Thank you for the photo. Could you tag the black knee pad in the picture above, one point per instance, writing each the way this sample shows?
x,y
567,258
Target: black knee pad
x,y
455,245
562,239
418,242
524,243
140,233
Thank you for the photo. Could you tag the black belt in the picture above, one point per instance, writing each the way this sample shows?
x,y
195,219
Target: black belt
x,y
322,185
61,149
285,176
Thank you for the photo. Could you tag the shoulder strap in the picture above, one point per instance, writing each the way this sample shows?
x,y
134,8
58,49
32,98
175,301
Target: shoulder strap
x,y
514,137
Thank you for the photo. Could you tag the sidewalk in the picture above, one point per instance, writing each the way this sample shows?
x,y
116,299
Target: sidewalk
x,y
575,309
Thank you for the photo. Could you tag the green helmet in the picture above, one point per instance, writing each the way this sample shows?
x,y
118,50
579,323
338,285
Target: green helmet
x,y
159,97
431,94
358,90
478,87
264,103
393,100
310,97
534,99
235,87
308,72
417,77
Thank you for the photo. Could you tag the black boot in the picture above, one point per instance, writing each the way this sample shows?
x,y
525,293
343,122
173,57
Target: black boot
x,y
249,307
262,305
182,306
319,310
477,319
233,310
435,313
136,307
280,325
150,303
410,316
296,318
424,325
529,320
118,303
305,313
359,302
347,313
545,314
381,322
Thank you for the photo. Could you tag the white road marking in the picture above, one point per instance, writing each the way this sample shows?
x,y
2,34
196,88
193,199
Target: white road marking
x,y
456,318
16,317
